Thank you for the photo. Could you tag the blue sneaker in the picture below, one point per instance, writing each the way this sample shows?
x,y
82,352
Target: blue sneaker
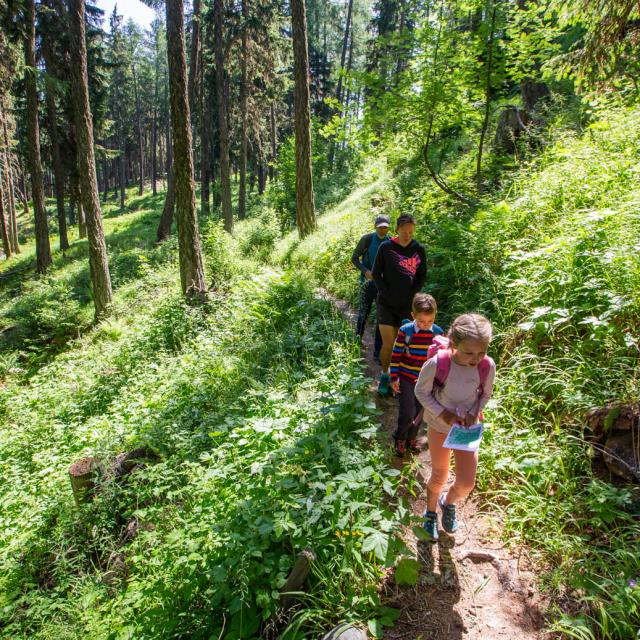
x,y
431,525
449,522
383,384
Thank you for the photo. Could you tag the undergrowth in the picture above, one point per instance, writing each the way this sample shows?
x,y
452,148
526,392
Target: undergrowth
x,y
551,258
261,441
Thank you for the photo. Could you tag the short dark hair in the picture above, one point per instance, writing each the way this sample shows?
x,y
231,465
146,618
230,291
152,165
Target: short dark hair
x,y
424,303
405,218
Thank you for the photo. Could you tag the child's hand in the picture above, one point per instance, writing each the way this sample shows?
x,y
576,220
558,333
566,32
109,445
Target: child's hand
x,y
448,417
395,385
470,420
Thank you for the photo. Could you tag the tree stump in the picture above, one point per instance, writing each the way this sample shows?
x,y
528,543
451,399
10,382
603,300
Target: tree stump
x,y
297,576
83,474
512,122
295,581
533,92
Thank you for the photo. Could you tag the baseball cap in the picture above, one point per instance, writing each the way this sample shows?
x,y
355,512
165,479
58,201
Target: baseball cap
x,y
383,221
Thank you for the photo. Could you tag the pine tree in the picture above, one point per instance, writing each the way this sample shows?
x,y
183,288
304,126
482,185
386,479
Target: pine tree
x,y
305,214
98,261
221,101
43,249
190,255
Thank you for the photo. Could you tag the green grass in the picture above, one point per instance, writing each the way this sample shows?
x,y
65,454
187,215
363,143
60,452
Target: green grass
x,y
266,441
257,409
551,258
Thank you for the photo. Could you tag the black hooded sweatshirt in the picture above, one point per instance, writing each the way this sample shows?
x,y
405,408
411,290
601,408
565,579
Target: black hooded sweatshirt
x,y
399,272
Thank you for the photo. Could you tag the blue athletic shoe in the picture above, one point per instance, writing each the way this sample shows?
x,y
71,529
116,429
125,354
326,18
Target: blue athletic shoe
x,y
383,384
449,521
431,525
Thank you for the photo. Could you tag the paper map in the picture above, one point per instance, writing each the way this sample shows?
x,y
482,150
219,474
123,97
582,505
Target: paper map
x,y
464,439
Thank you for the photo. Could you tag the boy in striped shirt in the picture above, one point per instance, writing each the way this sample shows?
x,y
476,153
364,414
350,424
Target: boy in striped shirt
x,y
409,354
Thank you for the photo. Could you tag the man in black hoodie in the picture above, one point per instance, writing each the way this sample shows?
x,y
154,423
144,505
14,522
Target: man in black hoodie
x,y
399,272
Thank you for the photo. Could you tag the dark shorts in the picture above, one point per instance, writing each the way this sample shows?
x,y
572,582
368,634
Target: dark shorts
x,y
392,316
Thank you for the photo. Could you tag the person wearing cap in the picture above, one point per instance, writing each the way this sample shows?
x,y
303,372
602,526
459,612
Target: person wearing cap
x,y
399,272
363,259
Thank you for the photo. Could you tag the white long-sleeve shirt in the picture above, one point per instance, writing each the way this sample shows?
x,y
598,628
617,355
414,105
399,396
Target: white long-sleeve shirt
x,y
459,393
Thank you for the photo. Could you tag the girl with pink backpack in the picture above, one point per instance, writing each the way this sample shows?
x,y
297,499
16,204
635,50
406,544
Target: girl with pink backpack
x,y
453,387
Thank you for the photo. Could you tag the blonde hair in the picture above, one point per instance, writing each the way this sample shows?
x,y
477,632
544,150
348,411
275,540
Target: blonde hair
x,y
470,326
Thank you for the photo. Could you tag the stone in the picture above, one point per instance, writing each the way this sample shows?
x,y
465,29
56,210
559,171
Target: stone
x,y
622,455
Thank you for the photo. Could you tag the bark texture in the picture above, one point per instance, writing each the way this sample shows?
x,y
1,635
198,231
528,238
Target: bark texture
x,y
4,223
12,219
43,249
164,226
223,130
56,159
190,254
98,261
305,214
242,189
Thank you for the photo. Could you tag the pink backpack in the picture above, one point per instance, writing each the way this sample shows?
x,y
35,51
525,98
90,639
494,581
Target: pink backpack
x,y
439,349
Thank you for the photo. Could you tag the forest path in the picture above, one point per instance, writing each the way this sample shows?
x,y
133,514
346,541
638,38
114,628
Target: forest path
x,y
469,587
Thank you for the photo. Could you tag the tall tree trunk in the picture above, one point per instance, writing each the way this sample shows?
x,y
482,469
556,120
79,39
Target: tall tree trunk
x,y
22,192
194,54
98,261
190,254
205,157
12,216
262,174
82,224
72,205
55,148
43,249
154,126
164,226
401,53
242,191
139,129
121,166
4,221
487,108
223,131
194,72
274,141
305,214
345,44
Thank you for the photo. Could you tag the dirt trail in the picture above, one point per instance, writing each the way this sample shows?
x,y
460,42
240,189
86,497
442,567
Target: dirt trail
x,y
469,586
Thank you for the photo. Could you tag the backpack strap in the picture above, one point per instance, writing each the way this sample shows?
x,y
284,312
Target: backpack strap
x,y
408,328
443,365
484,366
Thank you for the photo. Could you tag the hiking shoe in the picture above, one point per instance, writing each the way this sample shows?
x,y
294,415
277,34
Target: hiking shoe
x,y
383,384
400,447
449,522
413,446
431,525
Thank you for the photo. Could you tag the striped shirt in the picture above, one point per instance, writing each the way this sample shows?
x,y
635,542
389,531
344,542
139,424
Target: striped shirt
x,y
407,359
